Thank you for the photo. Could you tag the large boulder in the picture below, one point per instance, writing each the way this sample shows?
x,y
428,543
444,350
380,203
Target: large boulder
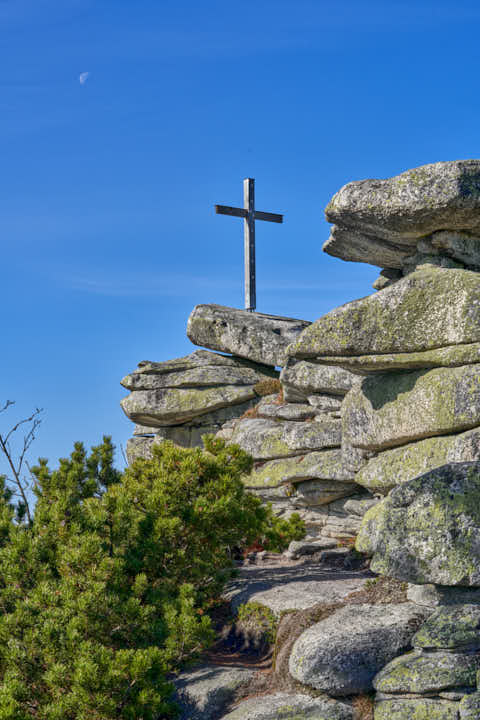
x,y
290,706
397,408
256,336
175,406
341,654
428,309
269,439
420,673
428,529
381,221
394,467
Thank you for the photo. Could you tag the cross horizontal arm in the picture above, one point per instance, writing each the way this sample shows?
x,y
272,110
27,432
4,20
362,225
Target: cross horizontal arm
x,y
271,217
227,210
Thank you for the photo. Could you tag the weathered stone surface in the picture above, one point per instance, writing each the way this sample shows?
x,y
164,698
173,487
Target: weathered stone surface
x,y
188,435
469,707
416,709
421,673
293,587
289,706
430,308
256,336
404,208
204,693
342,654
419,260
360,506
352,457
395,409
428,529
461,246
355,246
450,628
321,492
387,277
138,447
196,359
270,439
322,465
325,403
297,548
393,467
307,378
435,595
178,405
448,356
204,376
144,430
326,521
285,411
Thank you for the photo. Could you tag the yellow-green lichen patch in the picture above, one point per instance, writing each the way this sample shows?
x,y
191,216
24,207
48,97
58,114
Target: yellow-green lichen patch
x,y
421,673
393,467
397,408
449,356
416,709
430,308
450,628
428,529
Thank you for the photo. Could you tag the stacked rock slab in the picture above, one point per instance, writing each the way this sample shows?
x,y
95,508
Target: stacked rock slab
x,y
296,447
295,439
183,399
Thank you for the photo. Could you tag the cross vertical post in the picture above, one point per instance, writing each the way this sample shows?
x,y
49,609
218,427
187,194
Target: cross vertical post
x,y
249,236
249,215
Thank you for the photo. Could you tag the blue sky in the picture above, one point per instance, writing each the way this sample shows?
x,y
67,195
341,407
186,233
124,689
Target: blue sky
x,y
107,188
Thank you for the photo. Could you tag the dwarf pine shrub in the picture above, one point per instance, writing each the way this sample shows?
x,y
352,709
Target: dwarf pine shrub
x,y
106,592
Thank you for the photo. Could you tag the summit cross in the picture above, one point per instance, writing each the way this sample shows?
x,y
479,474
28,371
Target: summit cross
x,y
249,215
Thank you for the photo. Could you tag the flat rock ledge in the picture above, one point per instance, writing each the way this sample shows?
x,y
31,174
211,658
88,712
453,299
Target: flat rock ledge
x,y
289,706
292,587
428,309
256,336
386,222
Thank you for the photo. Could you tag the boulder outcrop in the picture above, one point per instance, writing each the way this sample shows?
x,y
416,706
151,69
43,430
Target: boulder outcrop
x,y
382,222
371,431
428,309
427,530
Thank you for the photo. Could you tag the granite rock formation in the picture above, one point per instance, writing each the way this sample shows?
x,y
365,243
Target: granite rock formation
x,y
370,431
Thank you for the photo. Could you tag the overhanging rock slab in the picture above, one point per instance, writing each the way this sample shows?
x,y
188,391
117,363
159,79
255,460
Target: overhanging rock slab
x,y
256,336
377,221
431,308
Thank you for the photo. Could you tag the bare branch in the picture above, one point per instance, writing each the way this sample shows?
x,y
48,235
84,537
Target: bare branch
x,y
17,466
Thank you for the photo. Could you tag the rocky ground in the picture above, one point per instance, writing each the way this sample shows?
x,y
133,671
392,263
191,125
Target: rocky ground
x,y
248,667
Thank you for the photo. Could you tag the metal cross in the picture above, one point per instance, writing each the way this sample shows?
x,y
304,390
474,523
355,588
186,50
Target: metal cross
x,y
249,214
